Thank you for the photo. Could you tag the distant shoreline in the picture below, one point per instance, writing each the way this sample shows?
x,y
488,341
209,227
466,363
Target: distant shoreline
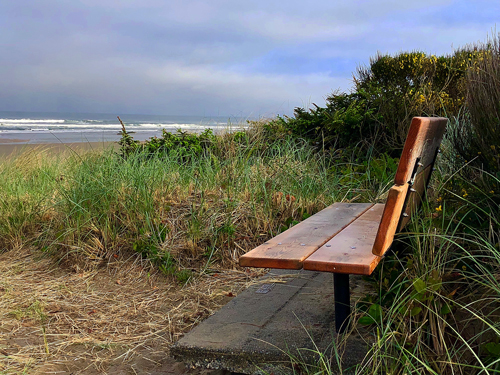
x,y
51,128
72,137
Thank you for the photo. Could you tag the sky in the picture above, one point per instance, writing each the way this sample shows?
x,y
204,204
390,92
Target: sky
x,y
215,57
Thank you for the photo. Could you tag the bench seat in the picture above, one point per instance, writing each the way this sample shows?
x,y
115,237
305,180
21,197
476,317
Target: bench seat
x,y
289,249
338,239
350,251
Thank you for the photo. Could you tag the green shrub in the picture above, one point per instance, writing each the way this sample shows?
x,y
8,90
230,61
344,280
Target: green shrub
x,y
435,310
387,94
476,132
180,144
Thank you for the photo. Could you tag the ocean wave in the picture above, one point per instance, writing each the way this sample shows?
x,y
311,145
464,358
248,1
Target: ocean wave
x,y
70,126
29,121
170,126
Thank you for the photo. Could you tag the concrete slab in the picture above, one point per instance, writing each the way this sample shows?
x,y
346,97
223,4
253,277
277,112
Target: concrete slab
x,y
261,329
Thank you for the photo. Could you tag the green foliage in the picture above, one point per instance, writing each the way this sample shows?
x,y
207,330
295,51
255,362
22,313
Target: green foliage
x,y
149,249
369,177
438,295
492,351
373,315
181,144
475,134
126,142
474,194
386,95
346,121
90,207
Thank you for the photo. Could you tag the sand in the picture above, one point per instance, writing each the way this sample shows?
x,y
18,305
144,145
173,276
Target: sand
x,y
15,147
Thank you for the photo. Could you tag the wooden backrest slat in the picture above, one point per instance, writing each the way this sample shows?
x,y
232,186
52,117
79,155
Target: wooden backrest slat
x,y
390,219
415,196
412,176
424,138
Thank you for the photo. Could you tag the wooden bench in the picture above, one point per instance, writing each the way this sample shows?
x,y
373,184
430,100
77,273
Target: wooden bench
x,y
352,238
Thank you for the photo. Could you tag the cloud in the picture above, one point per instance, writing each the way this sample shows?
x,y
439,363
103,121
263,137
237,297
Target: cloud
x,y
224,56
169,88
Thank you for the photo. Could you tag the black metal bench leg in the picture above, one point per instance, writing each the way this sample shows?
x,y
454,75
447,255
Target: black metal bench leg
x,y
342,301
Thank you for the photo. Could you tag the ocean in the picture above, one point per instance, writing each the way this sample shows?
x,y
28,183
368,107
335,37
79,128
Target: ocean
x,y
40,128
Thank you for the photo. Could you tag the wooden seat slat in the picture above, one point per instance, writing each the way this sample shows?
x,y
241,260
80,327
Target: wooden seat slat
x,y
350,251
290,248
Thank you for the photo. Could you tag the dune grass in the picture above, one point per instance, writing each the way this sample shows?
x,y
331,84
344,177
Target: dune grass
x,y
436,305
180,212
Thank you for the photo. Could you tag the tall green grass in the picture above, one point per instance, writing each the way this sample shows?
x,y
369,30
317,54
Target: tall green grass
x,y
437,306
436,309
179,211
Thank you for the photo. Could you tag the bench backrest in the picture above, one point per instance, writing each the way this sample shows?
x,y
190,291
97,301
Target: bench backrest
x,y
412,176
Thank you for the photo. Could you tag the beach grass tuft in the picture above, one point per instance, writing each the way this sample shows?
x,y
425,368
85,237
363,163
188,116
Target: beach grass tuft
x,y
177,210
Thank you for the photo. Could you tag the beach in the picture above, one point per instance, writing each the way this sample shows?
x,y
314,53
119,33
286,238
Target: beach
x,y
17,147
94,128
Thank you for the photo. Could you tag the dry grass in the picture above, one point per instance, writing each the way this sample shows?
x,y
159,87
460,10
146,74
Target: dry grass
x,y
119,318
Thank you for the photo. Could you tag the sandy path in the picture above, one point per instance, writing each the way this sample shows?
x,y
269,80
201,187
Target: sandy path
x,y
114,318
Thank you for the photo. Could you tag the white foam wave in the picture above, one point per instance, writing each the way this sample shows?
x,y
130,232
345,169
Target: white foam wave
x,y
176,126
29,121
60,126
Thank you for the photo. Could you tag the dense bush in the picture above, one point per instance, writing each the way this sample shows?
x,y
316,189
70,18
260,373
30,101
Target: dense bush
x,y
182,143
476,132
386,95
412,84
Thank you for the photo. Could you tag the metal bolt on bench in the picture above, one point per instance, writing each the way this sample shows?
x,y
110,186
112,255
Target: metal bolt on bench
x,y
352,238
